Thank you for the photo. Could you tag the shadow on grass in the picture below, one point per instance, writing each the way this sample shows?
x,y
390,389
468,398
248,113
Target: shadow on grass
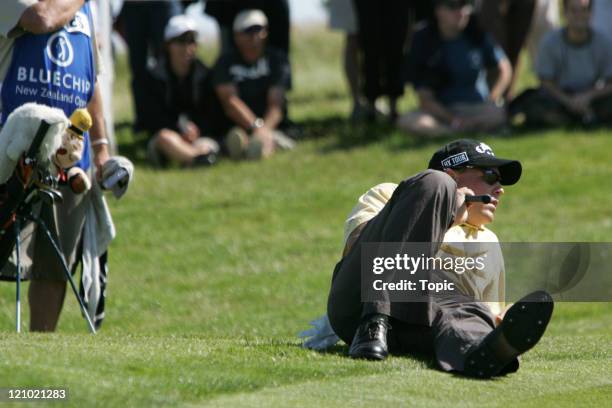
x,y
342,351
340,134
345,135
132,145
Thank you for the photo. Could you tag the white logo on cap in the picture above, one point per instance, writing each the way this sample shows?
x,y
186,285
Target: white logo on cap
x,y
455,159
484,148
59,50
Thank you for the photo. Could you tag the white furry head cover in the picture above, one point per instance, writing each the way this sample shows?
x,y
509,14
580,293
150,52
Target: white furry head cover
x,y
19,131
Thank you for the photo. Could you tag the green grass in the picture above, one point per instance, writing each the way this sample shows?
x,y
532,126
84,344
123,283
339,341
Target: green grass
x,y
214,271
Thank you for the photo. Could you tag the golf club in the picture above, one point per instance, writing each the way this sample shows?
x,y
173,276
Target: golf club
x,y
486,199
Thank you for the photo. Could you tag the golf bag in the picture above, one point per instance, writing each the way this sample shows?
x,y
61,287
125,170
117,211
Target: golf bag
x,y
18,192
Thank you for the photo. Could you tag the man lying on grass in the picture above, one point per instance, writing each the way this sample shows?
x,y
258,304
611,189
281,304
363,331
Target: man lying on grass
x,y
465,330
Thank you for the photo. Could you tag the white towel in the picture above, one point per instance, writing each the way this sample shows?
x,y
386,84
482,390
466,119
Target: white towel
x,y
321,336
98,233
117,173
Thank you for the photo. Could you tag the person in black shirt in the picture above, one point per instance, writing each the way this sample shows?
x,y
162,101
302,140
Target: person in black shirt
x,y
250,84
179,99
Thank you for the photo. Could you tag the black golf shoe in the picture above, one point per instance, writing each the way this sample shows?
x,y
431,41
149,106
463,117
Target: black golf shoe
x,y
370,341
520,330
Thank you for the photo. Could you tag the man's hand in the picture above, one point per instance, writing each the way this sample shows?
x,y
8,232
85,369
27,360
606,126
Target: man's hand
x,y
462,214
48,16
500,317
580,103
265,135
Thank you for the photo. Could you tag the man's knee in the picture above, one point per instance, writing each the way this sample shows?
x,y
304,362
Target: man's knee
x,y
165,137
438,183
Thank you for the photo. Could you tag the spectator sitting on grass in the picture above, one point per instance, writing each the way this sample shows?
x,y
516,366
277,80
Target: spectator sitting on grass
x,y
575,69
449,59
251,84
179,99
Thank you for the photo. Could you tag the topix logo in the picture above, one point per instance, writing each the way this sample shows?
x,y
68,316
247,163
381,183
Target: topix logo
x,y
484,148
59,49
455,160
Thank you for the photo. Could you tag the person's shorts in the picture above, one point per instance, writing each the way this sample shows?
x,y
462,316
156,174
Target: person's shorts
x,y
37,257
342,16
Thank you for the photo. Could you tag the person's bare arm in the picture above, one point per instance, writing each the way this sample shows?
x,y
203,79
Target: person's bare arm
x,y
48,15
597,91
274,112
429,104
503,80
234,107
97,133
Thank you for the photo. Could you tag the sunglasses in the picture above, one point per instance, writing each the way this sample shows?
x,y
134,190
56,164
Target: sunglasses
x,y
256,29
489,175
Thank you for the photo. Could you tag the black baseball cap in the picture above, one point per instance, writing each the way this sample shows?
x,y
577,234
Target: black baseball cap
x,y
467,152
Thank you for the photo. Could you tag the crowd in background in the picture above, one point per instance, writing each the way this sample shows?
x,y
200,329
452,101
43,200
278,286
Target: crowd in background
x,y
461,57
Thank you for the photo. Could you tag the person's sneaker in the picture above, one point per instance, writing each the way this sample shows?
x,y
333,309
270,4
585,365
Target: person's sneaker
x,y
254,150
154,156
236,142
282,141
207,144
204,160
370,341
522,327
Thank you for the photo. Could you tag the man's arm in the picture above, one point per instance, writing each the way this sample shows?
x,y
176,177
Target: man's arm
x,y
97,133
579,103
429,104
556,92
234,107
599,90
274,111
503,80
48,15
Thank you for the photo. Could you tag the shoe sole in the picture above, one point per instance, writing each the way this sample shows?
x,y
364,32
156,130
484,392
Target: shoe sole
x,y
526,321
522,327
368,356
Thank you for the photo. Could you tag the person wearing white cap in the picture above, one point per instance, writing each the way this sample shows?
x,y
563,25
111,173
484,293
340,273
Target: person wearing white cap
x,y
251,84
179,99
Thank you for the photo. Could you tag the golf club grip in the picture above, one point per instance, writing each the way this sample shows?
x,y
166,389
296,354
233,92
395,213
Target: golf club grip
x,y
486,199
